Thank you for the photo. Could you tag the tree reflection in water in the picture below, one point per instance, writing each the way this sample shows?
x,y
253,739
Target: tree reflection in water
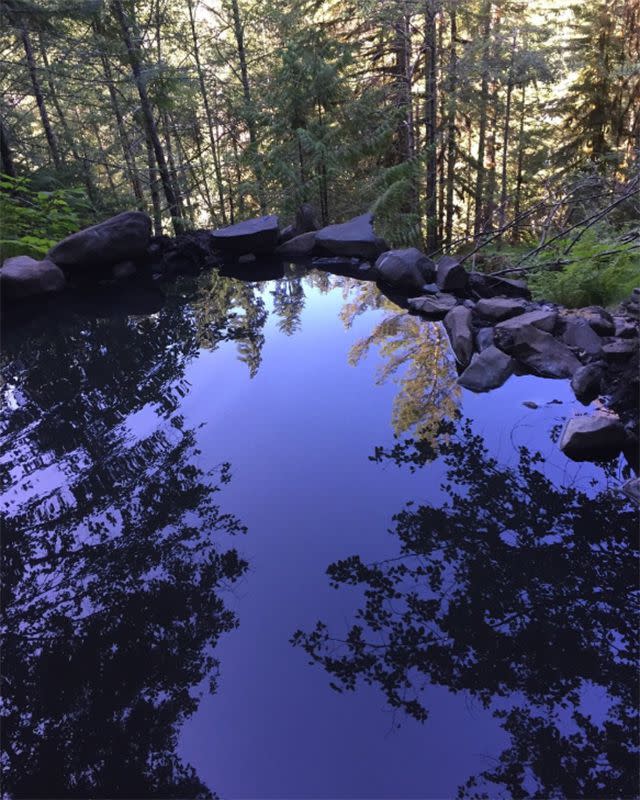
x,y
114,553
414,352
514,588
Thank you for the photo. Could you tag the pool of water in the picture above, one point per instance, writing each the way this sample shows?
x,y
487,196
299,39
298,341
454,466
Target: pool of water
x,y
258,543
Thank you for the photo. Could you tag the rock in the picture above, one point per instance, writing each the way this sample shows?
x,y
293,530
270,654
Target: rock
x,y
122,238
430,288
349,267
305,223
499,308
625,328
632,489
494,285
458,325
487,370
298,247
452,276
620,349
542,319
353,238
484,339
407,269
22,276
538,351
593,438
599,319
581,336
530,404
259,235
434,306
586,382
123,270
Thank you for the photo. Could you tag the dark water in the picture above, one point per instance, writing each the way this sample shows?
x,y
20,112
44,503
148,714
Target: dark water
x,y
225,513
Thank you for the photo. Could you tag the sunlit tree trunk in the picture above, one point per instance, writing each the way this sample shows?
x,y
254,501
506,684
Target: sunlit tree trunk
x,y
452,81
431,99
483,113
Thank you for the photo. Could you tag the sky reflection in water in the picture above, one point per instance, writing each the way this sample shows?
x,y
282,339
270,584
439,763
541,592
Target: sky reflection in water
x,y
117,619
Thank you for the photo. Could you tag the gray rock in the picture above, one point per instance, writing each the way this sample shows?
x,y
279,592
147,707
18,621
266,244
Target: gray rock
x,y
586,382
500,308
581,336
451,276
538,351
487,370
593,438
625,328
298,247
434,306
543,319
458,325
632,489
121,238
494,285
259,235
599,319
22,276
430,288
355,238
484,339
407,269
620,349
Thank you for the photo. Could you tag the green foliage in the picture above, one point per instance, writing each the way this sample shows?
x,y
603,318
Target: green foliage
x,y
598,270
32,221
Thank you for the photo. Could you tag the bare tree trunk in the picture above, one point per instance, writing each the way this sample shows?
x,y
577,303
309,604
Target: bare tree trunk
x,y
238,30
52,140
520,168
134,60
208,113
451,129
431,204
6,157
153,189
505,140
482,132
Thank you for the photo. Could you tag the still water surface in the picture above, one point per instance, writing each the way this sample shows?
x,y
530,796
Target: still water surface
x,y
224,514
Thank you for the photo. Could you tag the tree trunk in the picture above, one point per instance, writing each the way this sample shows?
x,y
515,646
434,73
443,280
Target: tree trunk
x,y
431,206
505,139
520,168
484,103
6,157
134,60
208,114
451,130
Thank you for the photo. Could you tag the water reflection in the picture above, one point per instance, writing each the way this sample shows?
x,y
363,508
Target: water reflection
x,y
414,352
517,591
115,557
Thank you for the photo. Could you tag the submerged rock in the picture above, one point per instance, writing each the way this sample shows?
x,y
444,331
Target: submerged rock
x,y
355,238
407,269
487,370
458,325
433,306
593,438
586,382
124,237
451,275
23,276
538,351
500,308
259,235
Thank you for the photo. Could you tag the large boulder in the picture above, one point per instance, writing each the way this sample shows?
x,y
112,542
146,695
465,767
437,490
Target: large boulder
x,y
22,276
499,308
579,335
587,382
493,285
355,238
600,320
407,269
593,438
451,276
258,235
299,247
433,307
543,319
124,237
537,350
458,325
620,350
487,370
